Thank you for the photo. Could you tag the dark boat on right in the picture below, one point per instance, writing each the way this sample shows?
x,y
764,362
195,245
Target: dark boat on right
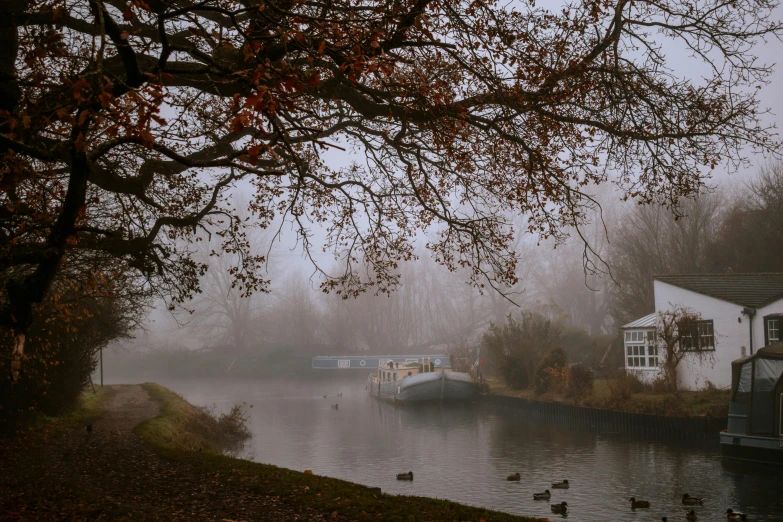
x,y
755,424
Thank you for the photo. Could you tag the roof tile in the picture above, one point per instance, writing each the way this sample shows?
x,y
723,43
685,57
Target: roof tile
x,y
753,290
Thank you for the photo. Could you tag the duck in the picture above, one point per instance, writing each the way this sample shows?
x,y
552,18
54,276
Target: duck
x,y
735,515
335,406
639,503
561,485
560,508
405,476
691,516
514,476
687,499
542,496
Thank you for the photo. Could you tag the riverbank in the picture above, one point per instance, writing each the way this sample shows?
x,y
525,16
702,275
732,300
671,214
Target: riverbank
x,y
146,457
713,404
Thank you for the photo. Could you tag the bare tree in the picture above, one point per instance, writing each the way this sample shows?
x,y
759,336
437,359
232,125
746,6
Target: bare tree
x,y
681,333
750,238
650,242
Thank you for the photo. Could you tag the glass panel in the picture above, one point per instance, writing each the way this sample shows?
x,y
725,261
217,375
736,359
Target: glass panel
x,y
651,362
627,336
630,350
768,372
706,337
630,362
743,387
773,331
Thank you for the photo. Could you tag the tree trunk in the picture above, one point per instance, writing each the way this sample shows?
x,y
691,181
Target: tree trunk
x,y
16,356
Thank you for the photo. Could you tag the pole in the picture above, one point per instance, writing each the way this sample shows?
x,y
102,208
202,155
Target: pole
x,y
101,367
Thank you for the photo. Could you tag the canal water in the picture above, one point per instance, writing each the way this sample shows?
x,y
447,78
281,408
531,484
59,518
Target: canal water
x,y
464,453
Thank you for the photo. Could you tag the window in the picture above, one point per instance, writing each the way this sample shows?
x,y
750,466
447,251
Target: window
x,y
697,336
771,329
652,356
641,351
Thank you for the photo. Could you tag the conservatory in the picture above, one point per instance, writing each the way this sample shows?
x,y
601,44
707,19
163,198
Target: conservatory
x,y
755,424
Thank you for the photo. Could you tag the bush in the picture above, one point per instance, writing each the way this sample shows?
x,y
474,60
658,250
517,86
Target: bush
x,y
182,425
552,372
622,384
580,381
516,348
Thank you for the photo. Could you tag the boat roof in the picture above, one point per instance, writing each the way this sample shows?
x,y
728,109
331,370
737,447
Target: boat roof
x,y
773,351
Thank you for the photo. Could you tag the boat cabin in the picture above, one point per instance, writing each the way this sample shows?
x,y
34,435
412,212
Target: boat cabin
x,y
391,371
756,406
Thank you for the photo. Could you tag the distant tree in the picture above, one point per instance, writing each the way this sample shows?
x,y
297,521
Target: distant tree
x,y
462,357
750,238
650,242
516,348
681,333
125,125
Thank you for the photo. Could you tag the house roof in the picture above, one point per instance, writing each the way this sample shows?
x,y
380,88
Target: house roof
x,y
648,321
751,290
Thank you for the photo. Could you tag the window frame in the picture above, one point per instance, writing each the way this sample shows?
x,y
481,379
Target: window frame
x,y
639,348
778,318
700,338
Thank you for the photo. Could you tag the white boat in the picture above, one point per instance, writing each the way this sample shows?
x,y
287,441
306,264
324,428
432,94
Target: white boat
x,y
415,382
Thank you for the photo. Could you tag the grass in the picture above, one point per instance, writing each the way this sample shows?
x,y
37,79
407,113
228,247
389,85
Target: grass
x,y
171,434
707,403
184,426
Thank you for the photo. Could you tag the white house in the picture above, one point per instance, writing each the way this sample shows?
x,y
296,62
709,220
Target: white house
x,y
739,314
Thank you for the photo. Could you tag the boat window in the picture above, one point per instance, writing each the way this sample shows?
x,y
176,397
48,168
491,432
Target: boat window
x,y
745,381
768,372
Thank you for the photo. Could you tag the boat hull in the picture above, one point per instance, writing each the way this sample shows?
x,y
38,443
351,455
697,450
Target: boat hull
x,y
753,448
435,386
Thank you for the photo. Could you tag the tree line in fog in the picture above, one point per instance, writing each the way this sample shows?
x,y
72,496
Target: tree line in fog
x,y
597,279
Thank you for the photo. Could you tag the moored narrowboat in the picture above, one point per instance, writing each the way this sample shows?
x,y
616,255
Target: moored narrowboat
x,y
755,423
415,382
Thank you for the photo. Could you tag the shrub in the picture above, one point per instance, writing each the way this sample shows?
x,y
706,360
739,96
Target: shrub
x,y
515,348
622,384
580,381
552,371
660,385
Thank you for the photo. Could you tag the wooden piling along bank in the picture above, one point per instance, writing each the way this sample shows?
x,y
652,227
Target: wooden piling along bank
x,y
610,421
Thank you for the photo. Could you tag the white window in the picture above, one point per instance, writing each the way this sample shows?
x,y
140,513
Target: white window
x,y
641,350
773,330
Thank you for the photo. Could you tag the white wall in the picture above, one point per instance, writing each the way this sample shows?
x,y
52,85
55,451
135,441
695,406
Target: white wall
x,y
730,335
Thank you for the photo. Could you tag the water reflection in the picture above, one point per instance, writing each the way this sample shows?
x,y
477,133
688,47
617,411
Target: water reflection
x,y
464,453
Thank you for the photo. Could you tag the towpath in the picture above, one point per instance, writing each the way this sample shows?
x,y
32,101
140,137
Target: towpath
x,y
111,474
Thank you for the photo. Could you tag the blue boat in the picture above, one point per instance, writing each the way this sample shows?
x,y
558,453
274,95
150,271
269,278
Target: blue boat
x,y
408,382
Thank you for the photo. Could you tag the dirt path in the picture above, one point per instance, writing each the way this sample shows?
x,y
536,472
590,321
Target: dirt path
x,y
111,474
128,407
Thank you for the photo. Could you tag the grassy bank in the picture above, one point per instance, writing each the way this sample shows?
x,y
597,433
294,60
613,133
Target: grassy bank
x,y
708,403
184,426
175,434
